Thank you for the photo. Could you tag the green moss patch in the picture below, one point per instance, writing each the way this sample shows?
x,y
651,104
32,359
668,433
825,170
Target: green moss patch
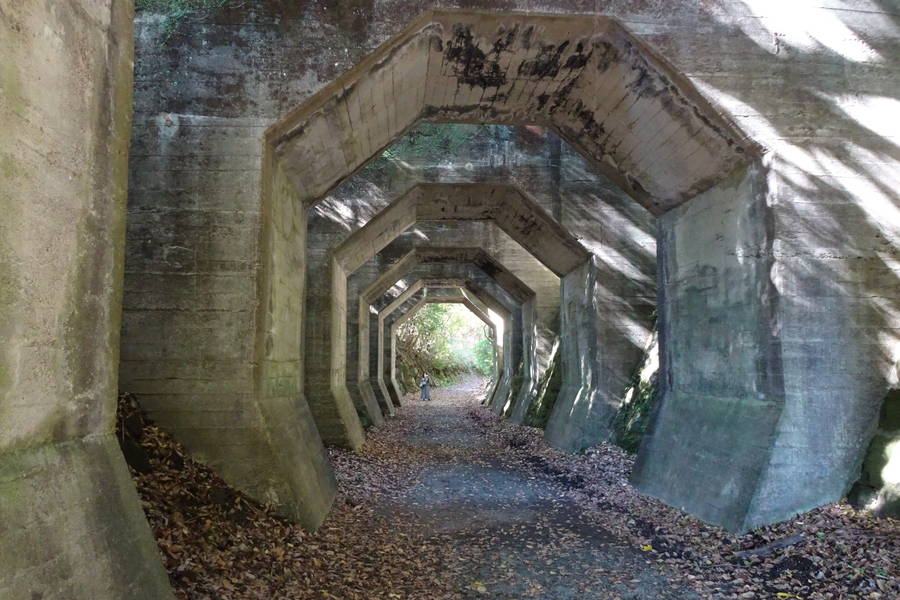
x,y
177,12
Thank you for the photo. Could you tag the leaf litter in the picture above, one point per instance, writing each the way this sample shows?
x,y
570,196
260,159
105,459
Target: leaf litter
x,y
445,501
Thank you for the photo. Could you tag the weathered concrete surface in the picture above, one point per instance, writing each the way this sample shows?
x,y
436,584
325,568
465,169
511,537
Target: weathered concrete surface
x,y
507,67
71,525
721,391
584,406
818,99
225,378
296,454
508,206
745,434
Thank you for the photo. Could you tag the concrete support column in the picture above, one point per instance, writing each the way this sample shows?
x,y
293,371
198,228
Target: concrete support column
x,y
71,525
525,391
389,342
585,405
722,395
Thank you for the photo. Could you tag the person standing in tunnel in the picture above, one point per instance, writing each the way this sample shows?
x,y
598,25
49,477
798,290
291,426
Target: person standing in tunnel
x,y
424,387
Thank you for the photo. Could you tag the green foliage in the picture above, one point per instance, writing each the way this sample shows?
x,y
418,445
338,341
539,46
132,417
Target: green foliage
x,y
434,141
640,399
484,357
518,380
176,11
443,340
633,418
431,143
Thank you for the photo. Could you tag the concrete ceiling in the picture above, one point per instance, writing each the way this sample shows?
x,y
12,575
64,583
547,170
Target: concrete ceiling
x,y
506,205
435,254
607,93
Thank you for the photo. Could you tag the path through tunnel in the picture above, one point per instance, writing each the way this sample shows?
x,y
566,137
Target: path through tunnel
x,y
650,232
640,163
442,337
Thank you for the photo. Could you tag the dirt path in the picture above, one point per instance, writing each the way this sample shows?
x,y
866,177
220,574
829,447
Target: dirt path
x,y
502,522
445,501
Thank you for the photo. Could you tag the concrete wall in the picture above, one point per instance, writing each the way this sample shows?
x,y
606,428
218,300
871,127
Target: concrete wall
x,y
584,408
194,216
815,85
212,316
71,525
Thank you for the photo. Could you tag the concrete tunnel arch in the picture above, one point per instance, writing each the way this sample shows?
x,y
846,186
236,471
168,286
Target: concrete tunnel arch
x,y
385,359
542,315
615,100
529,78
476,293
523,68
485,290
361,404
471,258
450,296
647,128
506,205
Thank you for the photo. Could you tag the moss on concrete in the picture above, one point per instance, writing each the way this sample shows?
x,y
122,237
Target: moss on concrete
x,y
518,380
177,12
549,387
12,86
633,418
878,487
91,538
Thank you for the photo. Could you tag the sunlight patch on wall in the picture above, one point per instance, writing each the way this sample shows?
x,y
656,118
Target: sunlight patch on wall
x,y
806,26
878,114
497,320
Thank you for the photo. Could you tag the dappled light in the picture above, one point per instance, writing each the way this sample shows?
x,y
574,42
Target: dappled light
x,y
432,299
444,341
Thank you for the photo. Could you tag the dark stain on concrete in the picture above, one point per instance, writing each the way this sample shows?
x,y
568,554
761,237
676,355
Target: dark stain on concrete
x,y
469,63
546,63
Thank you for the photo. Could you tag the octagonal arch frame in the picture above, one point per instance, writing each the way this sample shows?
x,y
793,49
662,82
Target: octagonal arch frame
x,y
464,262
618,102
477,293
623,107
446,295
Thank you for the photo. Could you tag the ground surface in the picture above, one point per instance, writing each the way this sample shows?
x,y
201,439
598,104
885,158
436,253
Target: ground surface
x,y
444,501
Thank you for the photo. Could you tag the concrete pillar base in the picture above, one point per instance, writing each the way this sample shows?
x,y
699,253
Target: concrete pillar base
x,y
71,525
